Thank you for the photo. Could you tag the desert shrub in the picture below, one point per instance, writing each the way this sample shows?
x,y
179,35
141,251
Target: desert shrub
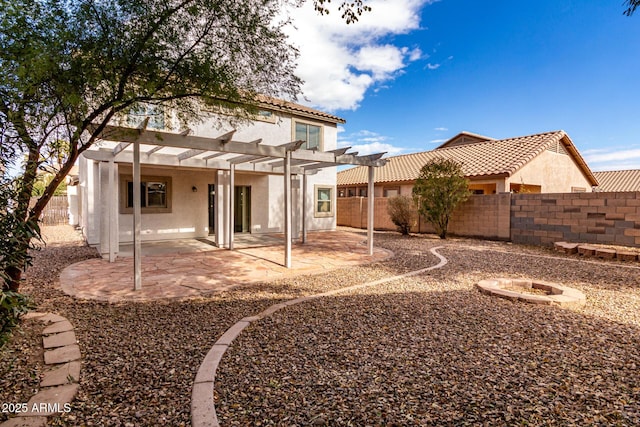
x,y
12,306
402,212
440,187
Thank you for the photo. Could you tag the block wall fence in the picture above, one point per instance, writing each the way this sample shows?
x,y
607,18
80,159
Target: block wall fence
x,y
536,219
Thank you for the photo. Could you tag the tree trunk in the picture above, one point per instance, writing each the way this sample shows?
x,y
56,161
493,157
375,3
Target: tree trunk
x,y
14,274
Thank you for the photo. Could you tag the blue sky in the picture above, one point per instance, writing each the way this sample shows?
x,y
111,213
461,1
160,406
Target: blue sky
x,y
414,73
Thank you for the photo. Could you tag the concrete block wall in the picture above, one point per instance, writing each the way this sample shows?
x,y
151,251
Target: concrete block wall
x,y
606,218
484,216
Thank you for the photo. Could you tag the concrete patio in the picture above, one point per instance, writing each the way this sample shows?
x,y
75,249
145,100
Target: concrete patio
x,y
193,268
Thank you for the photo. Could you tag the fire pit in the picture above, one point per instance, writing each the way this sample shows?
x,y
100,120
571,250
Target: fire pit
x,y
532,291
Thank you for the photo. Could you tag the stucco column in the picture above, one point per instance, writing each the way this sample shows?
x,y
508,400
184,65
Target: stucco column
x,y
232,180
222,208
304,208
137,219
287,210
103,208
113,211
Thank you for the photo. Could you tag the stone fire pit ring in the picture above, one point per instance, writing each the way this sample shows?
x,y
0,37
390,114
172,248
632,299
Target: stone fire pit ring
x,y
553,293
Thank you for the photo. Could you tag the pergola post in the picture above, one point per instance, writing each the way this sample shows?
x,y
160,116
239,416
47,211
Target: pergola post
x,y
137,218
287,210
370,209
232,225
304,208
113,212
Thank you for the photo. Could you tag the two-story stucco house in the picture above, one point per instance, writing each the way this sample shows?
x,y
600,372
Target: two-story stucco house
x,y
274,174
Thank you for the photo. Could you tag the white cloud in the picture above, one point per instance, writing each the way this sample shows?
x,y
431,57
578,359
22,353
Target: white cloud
x,y
340,62
606,160
367,142
441,129
438,141
433,66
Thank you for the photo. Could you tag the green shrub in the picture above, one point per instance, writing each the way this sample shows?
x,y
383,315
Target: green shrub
x,y
440,187
402,212
12,306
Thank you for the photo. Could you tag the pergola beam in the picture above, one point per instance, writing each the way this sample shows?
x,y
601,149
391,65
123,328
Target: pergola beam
x,y
120,148
154,150
225,145
213,156
243,158
188,154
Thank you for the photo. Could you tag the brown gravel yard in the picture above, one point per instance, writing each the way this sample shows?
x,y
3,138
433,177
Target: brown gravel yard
x,y
429,350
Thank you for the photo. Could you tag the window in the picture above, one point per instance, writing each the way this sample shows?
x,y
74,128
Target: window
x,y
265,116
309,133
362,192
155,194
140,112
324,201
391,192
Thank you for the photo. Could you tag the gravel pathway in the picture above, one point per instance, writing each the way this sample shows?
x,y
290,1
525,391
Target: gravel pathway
x,y
428,350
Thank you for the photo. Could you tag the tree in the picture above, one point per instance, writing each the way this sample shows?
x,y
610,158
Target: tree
x,y
632,5
69,67
401,210
440,187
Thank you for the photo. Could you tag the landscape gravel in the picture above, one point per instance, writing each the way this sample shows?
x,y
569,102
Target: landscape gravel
x,y
429,350
432,350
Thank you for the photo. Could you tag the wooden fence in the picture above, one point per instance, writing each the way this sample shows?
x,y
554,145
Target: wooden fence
x,y
56,212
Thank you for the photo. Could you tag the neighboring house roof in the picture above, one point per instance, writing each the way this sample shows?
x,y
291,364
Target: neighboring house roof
x,y
297,109
487,158
626,180
465,137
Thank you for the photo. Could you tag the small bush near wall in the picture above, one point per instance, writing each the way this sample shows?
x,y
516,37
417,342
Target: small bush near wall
x,y
402,212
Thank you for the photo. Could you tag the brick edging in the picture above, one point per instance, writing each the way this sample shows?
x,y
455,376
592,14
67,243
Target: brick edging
x,y
203,411
58,385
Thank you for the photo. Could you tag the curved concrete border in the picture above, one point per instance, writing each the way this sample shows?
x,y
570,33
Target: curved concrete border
x,y
556,294
59,385
203,411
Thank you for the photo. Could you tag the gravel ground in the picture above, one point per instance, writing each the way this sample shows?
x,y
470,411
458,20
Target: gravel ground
x,y
430,350
21,362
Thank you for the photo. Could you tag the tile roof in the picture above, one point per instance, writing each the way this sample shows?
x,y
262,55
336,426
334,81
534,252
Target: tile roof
x,y
485,159
300,110
625,180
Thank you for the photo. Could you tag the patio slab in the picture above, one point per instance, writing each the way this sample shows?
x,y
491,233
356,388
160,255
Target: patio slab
x,y
210,269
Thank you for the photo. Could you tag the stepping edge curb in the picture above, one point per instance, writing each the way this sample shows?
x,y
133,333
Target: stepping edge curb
x,y
203,411
59,384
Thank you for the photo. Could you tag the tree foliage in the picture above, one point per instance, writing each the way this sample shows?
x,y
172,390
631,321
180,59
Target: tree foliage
x,y
632,5
440,187
350,10
69,67
402,212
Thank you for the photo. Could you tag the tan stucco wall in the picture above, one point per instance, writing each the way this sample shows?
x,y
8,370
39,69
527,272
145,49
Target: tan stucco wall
x,y
554,172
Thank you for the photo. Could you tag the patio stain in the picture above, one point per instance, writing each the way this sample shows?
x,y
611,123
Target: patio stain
x,y
191,275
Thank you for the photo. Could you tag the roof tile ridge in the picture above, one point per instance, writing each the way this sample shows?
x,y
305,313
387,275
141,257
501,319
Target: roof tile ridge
x,y
409,154
618,170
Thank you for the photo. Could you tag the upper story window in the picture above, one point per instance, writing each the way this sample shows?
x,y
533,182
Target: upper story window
x,y
141,111
311,134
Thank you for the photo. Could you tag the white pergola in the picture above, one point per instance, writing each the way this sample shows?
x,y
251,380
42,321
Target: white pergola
x,y
223,153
